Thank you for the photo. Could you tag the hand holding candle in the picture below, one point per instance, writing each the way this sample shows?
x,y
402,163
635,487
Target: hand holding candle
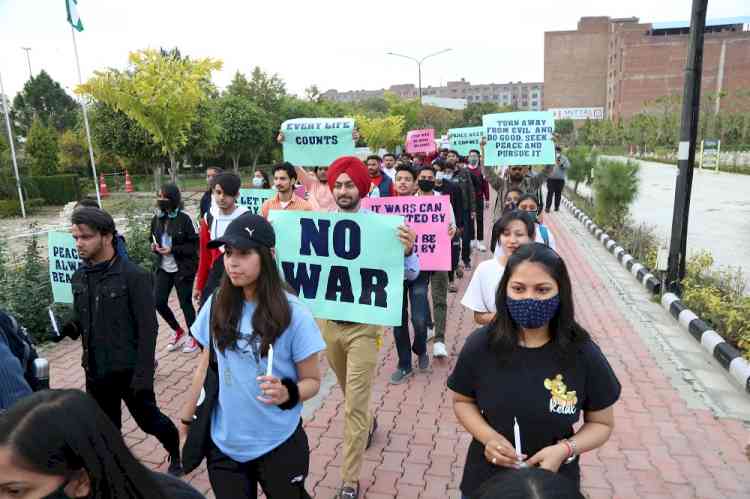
x,y
53,321
269,369
517,438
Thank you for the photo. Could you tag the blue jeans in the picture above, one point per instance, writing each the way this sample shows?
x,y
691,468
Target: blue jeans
x,y
416,293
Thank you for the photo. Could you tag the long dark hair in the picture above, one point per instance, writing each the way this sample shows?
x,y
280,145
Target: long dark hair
x,y
505,220
60,432
564,331
272,315
529,483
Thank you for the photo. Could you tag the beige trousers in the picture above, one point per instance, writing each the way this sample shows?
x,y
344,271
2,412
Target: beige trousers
x,y
352,351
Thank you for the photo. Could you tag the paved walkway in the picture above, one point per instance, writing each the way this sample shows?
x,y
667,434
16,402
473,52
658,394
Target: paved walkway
x,y
661,447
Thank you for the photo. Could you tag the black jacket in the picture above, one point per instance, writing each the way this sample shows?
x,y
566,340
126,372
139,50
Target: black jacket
x,y
115,316
465,181
452,190
184,243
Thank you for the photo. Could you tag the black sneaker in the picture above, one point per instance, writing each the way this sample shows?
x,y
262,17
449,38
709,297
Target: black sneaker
x,y
347,493
371,434
175,466
424,363
467,267
401,376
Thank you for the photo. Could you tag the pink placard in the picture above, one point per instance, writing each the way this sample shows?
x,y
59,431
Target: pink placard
x,y
430,217
420,140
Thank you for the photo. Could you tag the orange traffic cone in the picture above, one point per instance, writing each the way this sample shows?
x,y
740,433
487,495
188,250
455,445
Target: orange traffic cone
x,y
103,192
128,182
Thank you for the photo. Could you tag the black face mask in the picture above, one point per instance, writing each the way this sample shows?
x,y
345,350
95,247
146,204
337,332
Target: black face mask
x,y
426,185
164,205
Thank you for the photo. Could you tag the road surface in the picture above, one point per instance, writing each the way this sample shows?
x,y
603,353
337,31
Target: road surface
x,y
719,211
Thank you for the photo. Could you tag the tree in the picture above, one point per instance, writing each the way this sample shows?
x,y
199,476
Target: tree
x,y
41,149
74,151
566,129
161,93
386,132
615,186
312,93
239,86
203,138
43,98
436,117
472,113
114,133
244,128
582,162
266,91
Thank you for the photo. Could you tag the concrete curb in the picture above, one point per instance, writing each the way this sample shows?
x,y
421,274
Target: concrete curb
x,y
728,356
640,272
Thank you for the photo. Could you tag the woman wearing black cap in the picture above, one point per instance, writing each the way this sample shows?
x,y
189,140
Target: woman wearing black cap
x,y
174,243
266,343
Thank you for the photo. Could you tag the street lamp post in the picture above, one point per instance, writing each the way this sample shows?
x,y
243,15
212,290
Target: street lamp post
x,y
686,152
419,66
28,59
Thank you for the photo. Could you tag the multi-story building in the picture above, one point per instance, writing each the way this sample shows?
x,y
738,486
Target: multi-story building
x,y
523,96
622,64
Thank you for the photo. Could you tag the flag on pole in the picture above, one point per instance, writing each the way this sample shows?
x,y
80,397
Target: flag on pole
x,y
73,18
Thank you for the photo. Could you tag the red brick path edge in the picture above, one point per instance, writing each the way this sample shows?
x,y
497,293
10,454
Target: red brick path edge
x,y
660,448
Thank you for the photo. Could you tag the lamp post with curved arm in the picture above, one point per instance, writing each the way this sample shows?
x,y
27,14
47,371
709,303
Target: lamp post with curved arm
x,y
419,66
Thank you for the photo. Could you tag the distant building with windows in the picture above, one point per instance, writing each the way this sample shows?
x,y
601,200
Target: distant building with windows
x,y
523,96
621,64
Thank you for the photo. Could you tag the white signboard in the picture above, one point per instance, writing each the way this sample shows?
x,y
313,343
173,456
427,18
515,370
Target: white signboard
x,y
577,113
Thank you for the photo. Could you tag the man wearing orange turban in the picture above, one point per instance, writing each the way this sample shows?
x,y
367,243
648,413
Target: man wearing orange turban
x,y
352,348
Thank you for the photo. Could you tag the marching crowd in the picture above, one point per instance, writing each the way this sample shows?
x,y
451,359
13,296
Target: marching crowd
x,y
528,364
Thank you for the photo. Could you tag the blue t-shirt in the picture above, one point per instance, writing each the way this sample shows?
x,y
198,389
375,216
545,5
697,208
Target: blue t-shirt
x,y
243,427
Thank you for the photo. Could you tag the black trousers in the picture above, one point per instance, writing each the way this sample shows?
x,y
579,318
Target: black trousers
x,y
479,219
163,284
466,237
111,389
455,255
554,188
281,473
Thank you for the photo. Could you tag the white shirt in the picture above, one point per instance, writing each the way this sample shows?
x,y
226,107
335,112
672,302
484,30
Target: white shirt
x,y
537,239
391,173
480,294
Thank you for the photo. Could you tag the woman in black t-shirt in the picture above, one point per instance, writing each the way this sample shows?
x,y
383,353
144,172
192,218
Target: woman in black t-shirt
x,y
536,365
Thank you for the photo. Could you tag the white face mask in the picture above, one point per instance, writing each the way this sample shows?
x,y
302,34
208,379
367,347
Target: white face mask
x,y
257,182
439,176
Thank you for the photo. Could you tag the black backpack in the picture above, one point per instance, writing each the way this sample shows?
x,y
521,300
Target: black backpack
x,y
22,346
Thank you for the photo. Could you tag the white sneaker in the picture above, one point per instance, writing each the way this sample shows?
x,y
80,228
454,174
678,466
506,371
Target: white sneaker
x,y
482,247
176,340
430,333
473,243
438,349
190,346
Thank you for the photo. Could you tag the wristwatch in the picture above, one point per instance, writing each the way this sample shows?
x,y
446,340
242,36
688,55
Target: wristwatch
x,y
572,450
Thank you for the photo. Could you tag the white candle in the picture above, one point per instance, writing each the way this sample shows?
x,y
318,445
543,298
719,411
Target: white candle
x,y
53,321
517,436
269,369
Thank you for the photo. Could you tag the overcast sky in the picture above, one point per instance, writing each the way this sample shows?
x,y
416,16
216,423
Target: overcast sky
x,y
338,44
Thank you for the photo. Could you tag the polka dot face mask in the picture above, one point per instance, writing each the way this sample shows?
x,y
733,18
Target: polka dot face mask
x,y
532,314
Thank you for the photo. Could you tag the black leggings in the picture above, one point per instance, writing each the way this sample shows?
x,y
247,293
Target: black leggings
x,y
163,283
281,472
